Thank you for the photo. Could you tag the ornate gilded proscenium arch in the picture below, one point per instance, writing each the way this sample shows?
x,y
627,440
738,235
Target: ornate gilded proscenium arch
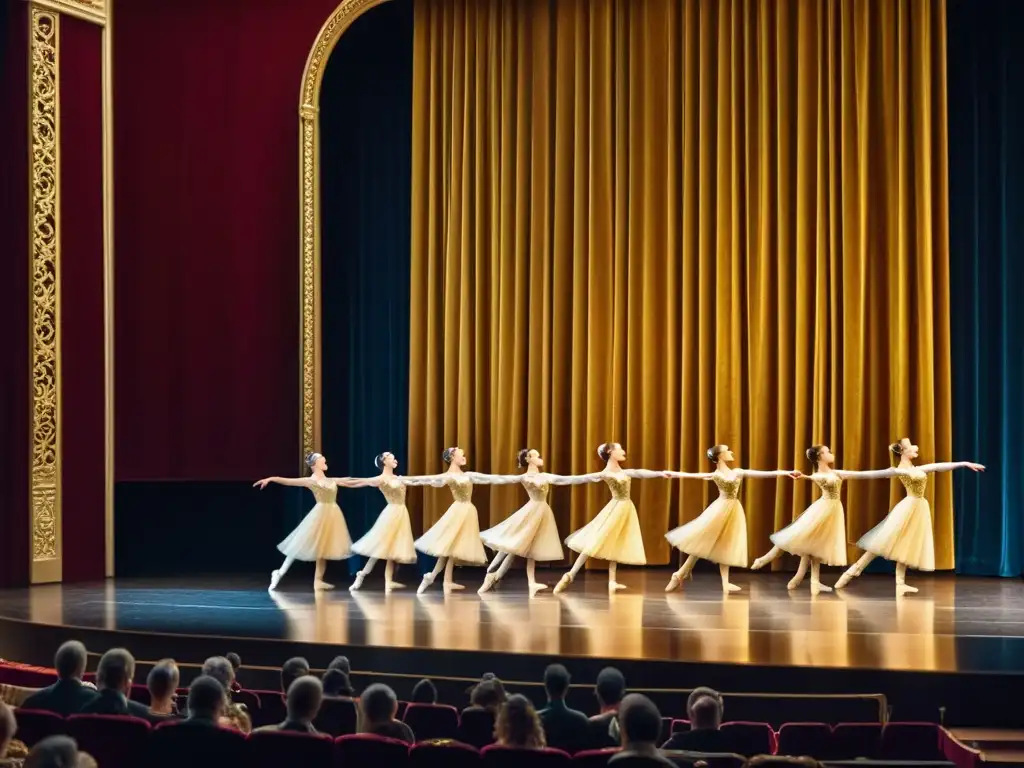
x,y
309,209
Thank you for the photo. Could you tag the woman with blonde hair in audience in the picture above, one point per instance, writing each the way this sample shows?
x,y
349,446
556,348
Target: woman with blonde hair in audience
x,y
518,724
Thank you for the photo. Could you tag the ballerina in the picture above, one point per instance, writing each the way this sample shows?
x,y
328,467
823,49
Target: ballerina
x,y
390,537
614,535
322,535
905,535
818,535
531,532
719,533
455,537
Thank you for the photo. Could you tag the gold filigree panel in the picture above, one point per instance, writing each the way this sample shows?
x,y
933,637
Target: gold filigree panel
x,y
44,115
89,10
309,218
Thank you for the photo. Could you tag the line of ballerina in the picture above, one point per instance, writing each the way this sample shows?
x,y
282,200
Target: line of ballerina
x,y
718,534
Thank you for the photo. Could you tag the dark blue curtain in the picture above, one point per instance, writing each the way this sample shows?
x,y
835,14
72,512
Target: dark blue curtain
x,y
985,67
366,176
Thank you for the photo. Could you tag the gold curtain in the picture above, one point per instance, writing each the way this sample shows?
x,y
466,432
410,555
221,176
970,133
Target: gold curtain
x,y
675,223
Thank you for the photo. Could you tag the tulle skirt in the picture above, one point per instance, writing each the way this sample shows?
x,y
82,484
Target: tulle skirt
x,y
719,534
820,532
613,535
390,538
456,534
905,535
322,535
531,532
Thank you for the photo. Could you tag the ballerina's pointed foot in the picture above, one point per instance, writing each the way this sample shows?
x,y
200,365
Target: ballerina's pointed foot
x,y
450,587
817,588
759,563
614,586
489,581
391,586
731,588
563,584
905,589
846,578
536,587
322,586
674,583
428,579
795,582
360,577
275,579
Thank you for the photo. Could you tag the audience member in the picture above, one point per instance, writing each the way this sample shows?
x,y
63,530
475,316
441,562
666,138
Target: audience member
x,y
704,710
337,685
609,689
377,708
206,702
235,716
341,664
304,699
518,724
424,692
236,664
58,752
292,670
68,695
564,728
489,695
639,730
162,682
12,751
114,681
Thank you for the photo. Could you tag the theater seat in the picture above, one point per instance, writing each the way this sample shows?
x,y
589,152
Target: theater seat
x,y
272,749
749,739
911,741
432,721
366,749
856,740
249,699
680,726
337,717
180,744
34,725
116,741
272,708
140,693
593,758
497,756
806,739
476,727
443,754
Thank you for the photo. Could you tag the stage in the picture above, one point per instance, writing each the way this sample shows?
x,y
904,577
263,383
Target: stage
x,y
939,648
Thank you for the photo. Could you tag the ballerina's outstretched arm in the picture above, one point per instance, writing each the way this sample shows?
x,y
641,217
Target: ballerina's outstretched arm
x,y
793,473
590,477
949,466
435,481
671,473
865,474
357,482
298,482
651,474
481,478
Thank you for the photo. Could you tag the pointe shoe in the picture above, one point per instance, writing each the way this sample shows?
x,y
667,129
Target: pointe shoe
x,y
731,588
536,587
275,579
428,579
846,578
450,587
360,577
614,586
392,585
759,563
795,582
322,586
674,583
490,580
817,587
905,589
563,584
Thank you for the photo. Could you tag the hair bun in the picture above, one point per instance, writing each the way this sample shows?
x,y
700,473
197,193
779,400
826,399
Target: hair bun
x,y
710,454
521,457
604,451
447,454
897,448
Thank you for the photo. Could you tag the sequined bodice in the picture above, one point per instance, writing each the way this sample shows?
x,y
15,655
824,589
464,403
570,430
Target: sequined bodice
x,y
326,492
619,486
728,487
393,490
915,481
830,484
535,489
462,488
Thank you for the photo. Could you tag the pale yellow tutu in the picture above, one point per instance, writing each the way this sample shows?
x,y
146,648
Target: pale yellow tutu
x,y
456,535
530,532
904,536
322,535
613,535
390,538
820,532
719,534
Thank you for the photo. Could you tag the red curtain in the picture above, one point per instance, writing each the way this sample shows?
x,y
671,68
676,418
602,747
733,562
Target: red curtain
x,y
15,419
207,264
81,300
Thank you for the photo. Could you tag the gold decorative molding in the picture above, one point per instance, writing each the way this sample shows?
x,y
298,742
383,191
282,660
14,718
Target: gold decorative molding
x,y
309,216
95,11
107,58
44,236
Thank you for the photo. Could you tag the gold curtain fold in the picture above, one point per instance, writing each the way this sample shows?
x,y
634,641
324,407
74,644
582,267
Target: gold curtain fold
x,y
675,223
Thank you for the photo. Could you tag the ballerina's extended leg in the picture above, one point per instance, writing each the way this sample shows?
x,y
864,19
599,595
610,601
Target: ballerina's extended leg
x,y
495,571
855,570
389,577
428,578
570,576
763,560
531,577
801,571
361,575
684,573
275,576
902,588
727,586
613,585
816,585
449,577
318,578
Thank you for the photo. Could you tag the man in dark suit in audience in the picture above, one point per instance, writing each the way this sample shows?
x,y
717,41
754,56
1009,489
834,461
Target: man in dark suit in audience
x,y
114,680
304,699
162,682
564,728
206,703
639,728
68,695
610,688
704,708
